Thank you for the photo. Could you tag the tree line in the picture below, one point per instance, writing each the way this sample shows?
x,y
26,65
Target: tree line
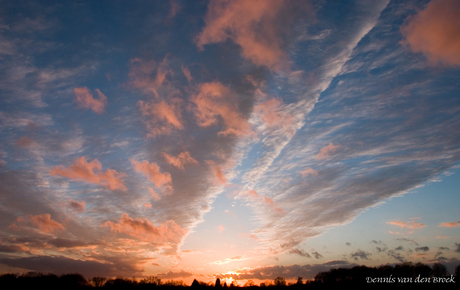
x,y
401,276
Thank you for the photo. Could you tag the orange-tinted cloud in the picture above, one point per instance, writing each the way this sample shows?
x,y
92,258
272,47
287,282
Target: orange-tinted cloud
x,y
181,159
42,221
78,206
250,24
271,114
141,75
217,171
84,99
84,171
187,74
308,171
408,225
450,225
142,229
215,102
155,195
162,116
255,197
326,151
147,205
152,172
434,32
45,223
220,229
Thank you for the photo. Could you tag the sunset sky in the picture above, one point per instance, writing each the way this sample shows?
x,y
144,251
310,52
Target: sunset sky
x,y
235,139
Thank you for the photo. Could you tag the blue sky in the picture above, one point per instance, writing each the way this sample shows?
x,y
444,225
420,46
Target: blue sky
x,y
234,139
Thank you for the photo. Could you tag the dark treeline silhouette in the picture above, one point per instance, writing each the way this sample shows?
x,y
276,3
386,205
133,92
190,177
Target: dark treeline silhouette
x,y
401,276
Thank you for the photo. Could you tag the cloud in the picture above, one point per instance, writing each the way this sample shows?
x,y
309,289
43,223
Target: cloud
x,y
162,116
457,250
141,75
220,229
24,142
286,271
84,99
215,103
422,249
77,205
142,229
308,171
273,116
300,253
175,275
152,172
450,224
181,159
155,195
61,265
327,151
230,213
43,221
360,254
256,26
187,74
433,31
84,171
408,225
316,255
253,196
218,172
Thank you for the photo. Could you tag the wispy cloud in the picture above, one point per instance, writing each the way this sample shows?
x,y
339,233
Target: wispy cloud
x,y
450,224
84,99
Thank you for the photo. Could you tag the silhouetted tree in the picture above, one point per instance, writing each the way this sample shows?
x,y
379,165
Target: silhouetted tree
x,y
439,270
299,281
217,285
98,281
280,281
195,284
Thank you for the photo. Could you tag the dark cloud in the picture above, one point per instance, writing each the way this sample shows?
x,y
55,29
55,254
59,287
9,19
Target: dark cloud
x,y
175,275
422,249
360,254
300,253
288,272
62,265
316,255
408,240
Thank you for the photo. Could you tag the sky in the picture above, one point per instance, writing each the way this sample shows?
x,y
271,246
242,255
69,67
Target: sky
x,y
233,139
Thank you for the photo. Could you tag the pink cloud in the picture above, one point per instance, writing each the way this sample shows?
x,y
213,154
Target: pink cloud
x,y
450,225
220,229
84,171
181,159
230,213
152,172
308,171
141,75
24,142
217,171
162,116
155,195
271,114
43,222
408,225
187,74
142,229
434,32
84,99
326,151
215,102
77,205
266,201
252,25
147,205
